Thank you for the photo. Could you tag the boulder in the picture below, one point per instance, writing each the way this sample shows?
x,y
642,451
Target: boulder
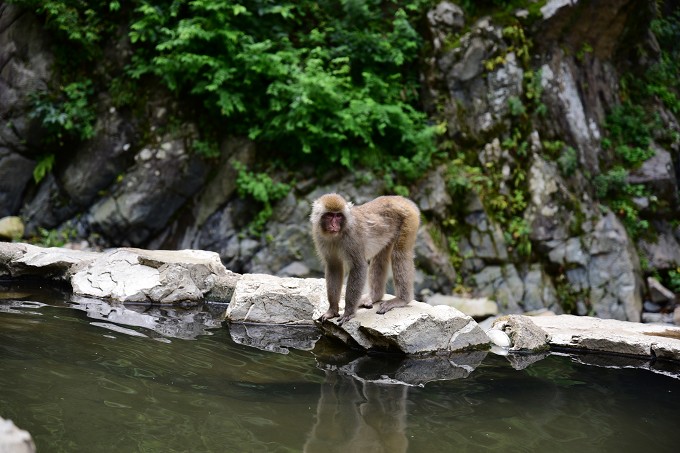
x,y
126,275
523,334
266,299
11,228
142,204
159,276
17,259
659,293
478,308
414,329
585,333
13,439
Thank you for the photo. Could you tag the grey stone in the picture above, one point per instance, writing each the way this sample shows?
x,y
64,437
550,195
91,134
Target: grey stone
x,y
414,329
444,19
142,203
260,298
659,293
15,173
611,336
663,252
13,439
477,308
524,335
11,228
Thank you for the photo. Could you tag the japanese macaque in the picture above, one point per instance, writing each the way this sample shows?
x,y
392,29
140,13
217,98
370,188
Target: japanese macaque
x,y
347,237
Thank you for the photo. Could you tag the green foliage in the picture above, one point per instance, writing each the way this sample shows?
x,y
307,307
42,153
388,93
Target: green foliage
x,y
43,167
516,106
568,161
662,79
335,78
674,279
69,114
53,238
261,188
611,182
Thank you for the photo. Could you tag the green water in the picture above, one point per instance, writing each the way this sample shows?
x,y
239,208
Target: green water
x,y
77,385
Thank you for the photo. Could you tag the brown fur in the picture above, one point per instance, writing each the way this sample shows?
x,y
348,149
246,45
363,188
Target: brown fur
x,y
382,231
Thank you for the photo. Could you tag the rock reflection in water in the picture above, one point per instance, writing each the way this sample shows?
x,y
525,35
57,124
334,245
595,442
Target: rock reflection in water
x,y
168,321
275,338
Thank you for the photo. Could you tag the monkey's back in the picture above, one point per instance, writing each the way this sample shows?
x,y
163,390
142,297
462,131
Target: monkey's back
x,y
390,218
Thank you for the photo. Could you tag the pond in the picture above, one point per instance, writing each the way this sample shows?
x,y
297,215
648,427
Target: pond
x,y
85,376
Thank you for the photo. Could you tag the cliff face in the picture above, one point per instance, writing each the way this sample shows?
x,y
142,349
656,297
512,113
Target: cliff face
x,y
555,193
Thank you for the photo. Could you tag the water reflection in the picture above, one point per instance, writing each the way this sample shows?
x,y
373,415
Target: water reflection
x,y
357,415
80,380
275,338
167,321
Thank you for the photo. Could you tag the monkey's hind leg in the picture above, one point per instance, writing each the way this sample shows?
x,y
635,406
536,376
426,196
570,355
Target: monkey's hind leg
x,y
377,277
403,272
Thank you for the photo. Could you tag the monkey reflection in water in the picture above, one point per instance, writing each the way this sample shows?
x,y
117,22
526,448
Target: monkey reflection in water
x,y
382,231
355,415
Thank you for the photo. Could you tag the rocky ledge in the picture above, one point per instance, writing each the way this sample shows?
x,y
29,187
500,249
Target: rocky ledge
x,y
190,277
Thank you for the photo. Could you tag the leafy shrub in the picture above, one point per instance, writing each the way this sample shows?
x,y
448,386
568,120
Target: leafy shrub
x,y
69,114
335,78
568,161
263,189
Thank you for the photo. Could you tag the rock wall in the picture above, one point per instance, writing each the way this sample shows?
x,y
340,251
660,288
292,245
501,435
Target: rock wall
x,y
133,185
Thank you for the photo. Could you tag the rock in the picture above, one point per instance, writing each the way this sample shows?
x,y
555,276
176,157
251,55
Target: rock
x,y
676,316
662,252
611,336
539,291
651,307
659,293
432,195
141,205
524,335
19,259
434,271
477,308
27,68
414,329
260,298
11,228
503,284
15,173
126,275
657,174
157,276
13,439
444,19
565,104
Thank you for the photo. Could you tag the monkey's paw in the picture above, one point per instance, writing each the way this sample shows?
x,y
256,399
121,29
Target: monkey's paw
x,y
366,301
329,314
345,317
390,304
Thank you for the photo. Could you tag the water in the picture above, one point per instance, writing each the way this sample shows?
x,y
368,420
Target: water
x,y
162,383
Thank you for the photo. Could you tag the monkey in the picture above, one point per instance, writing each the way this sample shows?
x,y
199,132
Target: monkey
x,y
347,237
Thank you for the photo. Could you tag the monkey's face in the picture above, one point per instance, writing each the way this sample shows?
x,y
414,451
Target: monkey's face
x,y
332,222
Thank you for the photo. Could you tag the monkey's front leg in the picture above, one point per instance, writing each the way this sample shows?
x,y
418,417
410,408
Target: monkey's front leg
x,y
355,285
334,275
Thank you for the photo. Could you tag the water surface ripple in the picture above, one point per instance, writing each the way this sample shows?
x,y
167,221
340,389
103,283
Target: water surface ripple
x,y
77,385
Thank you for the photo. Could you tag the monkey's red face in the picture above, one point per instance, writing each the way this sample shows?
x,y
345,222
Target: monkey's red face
x,y
332,222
